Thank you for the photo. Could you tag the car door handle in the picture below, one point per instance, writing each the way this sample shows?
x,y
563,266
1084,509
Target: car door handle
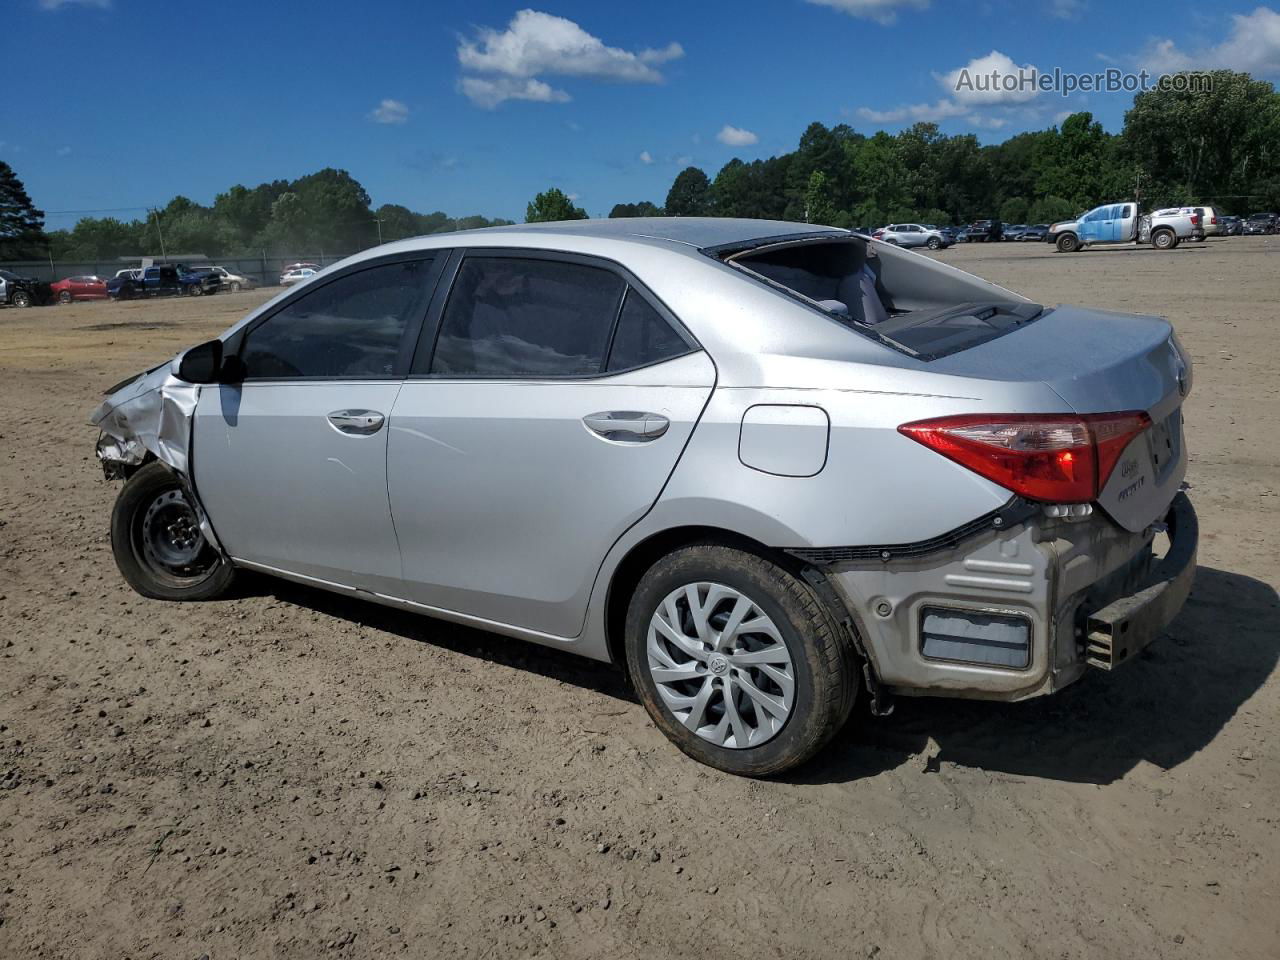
x,y
357,423
630,426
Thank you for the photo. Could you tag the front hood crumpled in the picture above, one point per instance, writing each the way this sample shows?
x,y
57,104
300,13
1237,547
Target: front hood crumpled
x,y
151,413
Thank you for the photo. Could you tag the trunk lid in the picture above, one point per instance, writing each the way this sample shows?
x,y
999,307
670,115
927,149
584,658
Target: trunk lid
x,y
1103,362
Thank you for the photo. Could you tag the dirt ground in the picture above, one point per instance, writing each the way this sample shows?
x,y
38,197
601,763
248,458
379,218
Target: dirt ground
x,y
291,774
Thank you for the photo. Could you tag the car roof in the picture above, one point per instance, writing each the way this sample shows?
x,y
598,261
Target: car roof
x,y
698,232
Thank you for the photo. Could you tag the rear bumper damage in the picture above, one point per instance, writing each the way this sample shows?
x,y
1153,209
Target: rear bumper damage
x,y
1020,608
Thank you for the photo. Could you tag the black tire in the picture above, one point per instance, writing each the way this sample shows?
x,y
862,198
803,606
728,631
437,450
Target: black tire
x,y
195,290
21,298
151,505
1164,239
825,666
1067,243
934,243
64,296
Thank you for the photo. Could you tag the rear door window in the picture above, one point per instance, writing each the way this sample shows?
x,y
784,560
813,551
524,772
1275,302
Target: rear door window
x,y
529,318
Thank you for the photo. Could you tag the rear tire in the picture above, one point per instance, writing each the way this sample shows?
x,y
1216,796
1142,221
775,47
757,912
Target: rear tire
x,y
235,287
1164,239
1067,243
782,689
157,541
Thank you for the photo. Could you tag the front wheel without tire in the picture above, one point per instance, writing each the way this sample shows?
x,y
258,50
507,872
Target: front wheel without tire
x,y
737,661
157,542
64,296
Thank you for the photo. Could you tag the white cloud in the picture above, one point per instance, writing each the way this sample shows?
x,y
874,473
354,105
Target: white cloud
x,y
883,12
736,136
1067,9
917,112
63,151
993,79
1252,47
646,157
390,111
488,92
510,61
58,4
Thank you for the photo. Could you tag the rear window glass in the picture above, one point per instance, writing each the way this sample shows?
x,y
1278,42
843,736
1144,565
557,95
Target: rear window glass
x,y
516,317
643,336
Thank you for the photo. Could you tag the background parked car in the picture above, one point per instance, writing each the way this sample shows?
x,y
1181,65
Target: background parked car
x,y
1231,226
79,288
1015,231
1260,223
1035,231
233,282
293,267
913,235
164,281
982,231
290,277
16,291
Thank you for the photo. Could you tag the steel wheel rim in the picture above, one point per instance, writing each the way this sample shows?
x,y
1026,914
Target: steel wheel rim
x,y
720,665
171,539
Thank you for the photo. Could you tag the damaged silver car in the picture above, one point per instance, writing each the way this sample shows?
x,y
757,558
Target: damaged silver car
x,y
771,468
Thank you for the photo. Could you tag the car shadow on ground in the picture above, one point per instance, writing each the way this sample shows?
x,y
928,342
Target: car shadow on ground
x,y
495,648
1162,708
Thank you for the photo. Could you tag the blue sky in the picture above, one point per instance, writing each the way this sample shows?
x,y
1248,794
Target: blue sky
x,y
473,107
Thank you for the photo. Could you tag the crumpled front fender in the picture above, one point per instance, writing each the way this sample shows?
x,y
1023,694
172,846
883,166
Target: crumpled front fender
x,y
151,414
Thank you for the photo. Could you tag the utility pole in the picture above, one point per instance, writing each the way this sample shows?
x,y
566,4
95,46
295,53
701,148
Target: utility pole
x,y
379,223
156,213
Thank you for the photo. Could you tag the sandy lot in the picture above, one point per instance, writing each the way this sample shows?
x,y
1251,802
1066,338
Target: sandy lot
x,y
291,774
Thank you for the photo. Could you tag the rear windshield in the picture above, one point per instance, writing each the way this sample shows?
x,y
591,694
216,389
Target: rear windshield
x,y
896,297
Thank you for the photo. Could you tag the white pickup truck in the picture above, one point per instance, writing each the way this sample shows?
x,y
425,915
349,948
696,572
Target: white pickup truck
x,y
1122,223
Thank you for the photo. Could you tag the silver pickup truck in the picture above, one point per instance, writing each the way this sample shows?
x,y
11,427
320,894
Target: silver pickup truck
x,y
1123,223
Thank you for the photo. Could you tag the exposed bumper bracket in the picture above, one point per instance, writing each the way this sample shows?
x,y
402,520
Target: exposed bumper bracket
x,y
1124,627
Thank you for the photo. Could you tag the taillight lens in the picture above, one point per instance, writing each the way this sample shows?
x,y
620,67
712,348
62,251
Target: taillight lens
x,y
1064,458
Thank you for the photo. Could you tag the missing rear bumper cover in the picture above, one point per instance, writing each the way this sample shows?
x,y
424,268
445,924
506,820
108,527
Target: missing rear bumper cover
x,y
1124,627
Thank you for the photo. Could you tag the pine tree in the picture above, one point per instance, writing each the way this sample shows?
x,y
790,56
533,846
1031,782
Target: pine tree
x,y
21,224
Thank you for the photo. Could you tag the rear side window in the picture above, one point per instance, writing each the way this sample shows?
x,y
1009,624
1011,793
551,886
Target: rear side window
x,y
350,327
643,337
516,317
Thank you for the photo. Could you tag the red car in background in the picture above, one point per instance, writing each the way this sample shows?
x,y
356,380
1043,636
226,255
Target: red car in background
x,y
79,288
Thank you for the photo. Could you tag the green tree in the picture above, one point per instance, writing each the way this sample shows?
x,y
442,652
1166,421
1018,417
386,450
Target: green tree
x,y
1049,209
552,205
690,194
1014,210
818,207
21,224
1223,142
642,209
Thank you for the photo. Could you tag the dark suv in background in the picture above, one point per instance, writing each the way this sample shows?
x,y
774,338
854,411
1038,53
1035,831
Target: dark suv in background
x,y
981,231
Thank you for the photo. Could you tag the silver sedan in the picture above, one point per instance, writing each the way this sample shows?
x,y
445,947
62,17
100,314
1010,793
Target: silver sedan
x,y
770,468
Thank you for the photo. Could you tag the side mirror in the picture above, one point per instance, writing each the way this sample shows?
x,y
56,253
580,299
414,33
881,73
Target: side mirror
x,y
202,364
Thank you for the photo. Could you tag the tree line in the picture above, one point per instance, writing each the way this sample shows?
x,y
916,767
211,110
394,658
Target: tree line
x,y
1220,146
324,211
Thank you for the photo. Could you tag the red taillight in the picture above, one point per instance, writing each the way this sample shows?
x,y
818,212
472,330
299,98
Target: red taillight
x,y
1194,219
1213,220
1060,458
